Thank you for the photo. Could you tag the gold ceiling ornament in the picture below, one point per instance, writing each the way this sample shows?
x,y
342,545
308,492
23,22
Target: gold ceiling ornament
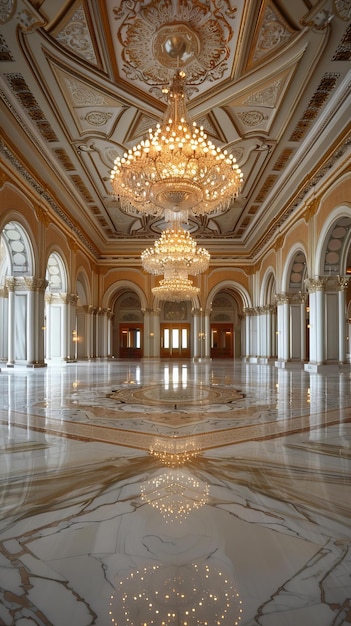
x,y
177,167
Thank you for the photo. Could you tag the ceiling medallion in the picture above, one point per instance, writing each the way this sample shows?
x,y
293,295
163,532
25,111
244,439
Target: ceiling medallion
x,y
161,36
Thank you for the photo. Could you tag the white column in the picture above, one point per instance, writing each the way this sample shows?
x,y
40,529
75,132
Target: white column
x,y
70,334
303,326
343,284
315,287
196,335
35,320
31,329
320,326
148,334
248,314
3,322
156,331
207,335
283,312
10,284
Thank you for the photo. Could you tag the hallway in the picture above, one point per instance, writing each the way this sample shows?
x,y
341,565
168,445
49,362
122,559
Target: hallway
x,y
176,493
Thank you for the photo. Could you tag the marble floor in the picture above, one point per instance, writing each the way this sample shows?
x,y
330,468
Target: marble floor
x,y
181,494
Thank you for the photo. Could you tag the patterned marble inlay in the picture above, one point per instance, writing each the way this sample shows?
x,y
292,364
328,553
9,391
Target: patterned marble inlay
x,y
198,395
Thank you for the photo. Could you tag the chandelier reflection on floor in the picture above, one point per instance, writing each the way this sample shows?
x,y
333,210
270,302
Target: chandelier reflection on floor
x,y
175,493
177,167
174,452
192,594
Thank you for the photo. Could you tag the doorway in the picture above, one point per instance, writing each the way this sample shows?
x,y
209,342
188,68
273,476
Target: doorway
x,y
130,341
175,340
222,344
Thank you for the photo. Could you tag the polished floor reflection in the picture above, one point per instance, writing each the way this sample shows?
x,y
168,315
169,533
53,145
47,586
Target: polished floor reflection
x,y
181,494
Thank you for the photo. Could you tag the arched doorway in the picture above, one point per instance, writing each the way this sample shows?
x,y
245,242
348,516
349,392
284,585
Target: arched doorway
x,y
224,323
128,326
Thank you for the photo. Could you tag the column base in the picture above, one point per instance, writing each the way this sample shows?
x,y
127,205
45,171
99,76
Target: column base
x,y
325,368
36,364
202,359
289,365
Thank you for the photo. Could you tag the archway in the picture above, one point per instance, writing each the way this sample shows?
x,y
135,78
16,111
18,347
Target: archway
x,y
17,307
228,301
55,308
128,325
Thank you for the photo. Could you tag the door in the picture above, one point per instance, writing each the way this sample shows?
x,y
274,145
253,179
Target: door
x,y
175,341
222,343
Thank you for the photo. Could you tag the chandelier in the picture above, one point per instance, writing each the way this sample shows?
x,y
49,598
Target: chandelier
x,y
175,255
175,248
175,287
177,167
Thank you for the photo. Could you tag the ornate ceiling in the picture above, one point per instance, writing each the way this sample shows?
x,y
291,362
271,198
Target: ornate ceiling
x,y
82,81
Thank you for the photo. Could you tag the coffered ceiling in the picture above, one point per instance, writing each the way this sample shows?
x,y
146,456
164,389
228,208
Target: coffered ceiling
x,y
82,81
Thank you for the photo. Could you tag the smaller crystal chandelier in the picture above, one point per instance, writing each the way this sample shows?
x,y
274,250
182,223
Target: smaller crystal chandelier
x,y
175,287
175,255
177,167
175,248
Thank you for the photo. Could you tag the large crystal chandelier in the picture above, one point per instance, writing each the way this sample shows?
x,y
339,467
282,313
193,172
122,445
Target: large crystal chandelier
x,y
177,167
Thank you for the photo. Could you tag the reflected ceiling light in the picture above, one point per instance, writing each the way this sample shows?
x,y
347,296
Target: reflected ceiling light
x,y
177,167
